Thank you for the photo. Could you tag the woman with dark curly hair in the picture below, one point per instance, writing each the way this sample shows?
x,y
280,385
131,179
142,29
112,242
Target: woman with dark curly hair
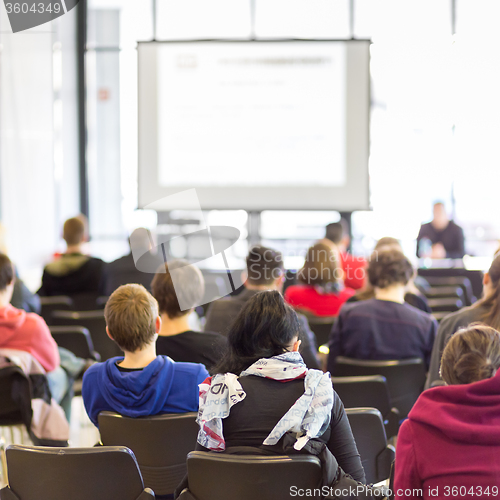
x,y
384,327
450,443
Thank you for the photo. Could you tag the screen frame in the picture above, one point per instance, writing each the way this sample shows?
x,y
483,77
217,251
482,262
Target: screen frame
x,y
262,197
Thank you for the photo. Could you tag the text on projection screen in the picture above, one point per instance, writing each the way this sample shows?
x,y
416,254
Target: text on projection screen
x,y
251,114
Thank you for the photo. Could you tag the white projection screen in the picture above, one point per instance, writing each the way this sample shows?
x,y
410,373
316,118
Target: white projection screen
x,y
255,125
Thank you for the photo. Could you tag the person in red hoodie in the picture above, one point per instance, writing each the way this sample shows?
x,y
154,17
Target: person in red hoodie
x,y
28,332
450,445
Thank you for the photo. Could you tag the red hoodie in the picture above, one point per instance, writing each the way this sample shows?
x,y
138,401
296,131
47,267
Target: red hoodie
x,y
450,445
28,332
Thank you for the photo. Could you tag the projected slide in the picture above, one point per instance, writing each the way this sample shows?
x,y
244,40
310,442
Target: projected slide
x,y
251,114
255,125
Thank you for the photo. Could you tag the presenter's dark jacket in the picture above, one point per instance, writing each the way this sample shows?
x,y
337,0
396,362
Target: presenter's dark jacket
x,y
73,274
450,443
222,313
451,237
382,330
193,347
448,326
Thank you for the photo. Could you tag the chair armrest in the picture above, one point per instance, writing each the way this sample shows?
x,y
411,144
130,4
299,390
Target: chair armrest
x,y
147,494
96,356
7,494
384,462
186,495
391,423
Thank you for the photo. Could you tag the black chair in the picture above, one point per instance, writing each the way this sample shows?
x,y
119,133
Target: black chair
x,y
368,430
87,301
445,304
248,477
76,339
321,327
369,392
55,303
102,473
405,378
437,292
160,443
454,281
95,323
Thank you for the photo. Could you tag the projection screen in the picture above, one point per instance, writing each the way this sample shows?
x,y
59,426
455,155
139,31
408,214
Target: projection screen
x,y
255,124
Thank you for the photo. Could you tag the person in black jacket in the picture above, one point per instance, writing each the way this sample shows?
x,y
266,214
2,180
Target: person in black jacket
x,y
265,271
74,273
441,238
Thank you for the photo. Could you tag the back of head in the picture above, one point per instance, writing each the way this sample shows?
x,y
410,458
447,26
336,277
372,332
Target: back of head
x,y
389,266
321,267
139,240
74,231
491,302
388,241
265,327
471,355
264,266
6,272
177,296
131,313
336,231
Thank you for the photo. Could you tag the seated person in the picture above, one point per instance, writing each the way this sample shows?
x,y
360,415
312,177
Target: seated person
x,y
263,379
175,338
265,271
449,445
140,383
321,291
354,267
73,273
441,238
138,266
384,327
486,310
28,332
413,296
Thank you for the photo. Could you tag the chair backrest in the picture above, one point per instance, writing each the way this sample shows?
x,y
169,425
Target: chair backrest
x,y
15,397
462,281
436,292
102,473
95,323
368,430
160,443
55,303
450,304
405,378
247,477
321,327
369,392
76,339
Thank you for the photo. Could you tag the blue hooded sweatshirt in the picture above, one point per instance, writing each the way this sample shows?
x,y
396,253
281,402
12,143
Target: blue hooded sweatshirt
x,y
163,386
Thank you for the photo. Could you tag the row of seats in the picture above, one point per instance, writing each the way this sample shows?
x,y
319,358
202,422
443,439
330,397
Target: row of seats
x,y
157,447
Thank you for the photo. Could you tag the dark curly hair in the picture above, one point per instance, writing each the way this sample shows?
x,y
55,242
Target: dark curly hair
x,y
389,266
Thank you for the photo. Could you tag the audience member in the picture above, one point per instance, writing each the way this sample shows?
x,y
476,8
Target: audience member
x,y
268,397
73,273
321,291
441,238
140,383
413,296
354,267
265,271
138,266
449,445
173,285
22,297
28,332
486,310
384,327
